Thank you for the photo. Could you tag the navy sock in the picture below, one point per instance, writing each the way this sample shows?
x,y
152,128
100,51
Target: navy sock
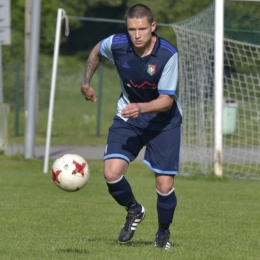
x,y
166,205
121,191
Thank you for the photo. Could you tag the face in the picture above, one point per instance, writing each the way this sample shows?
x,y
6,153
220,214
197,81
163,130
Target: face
x,y
140,32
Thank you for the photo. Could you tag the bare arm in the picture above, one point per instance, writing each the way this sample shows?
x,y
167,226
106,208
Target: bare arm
x,y
161,104
92,64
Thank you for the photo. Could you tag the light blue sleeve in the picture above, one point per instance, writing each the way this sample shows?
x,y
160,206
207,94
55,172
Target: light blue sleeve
x,y
168,82
105,48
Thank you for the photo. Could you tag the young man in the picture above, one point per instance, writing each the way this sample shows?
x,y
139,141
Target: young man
x,y
148,114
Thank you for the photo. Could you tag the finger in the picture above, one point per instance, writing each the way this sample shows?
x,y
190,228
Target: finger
x,y
92,98
129,114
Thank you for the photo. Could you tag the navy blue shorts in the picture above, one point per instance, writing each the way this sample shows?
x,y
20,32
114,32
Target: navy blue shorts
x,y
162,152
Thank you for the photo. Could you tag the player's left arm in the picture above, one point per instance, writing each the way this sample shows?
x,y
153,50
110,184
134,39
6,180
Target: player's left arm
x,y
159,105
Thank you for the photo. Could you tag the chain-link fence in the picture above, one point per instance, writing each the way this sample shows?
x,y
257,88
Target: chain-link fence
x,y
75,120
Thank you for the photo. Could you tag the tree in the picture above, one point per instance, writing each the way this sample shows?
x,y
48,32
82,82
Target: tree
x,y
83,35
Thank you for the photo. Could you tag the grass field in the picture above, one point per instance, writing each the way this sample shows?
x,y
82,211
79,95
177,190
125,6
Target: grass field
x,y
215,219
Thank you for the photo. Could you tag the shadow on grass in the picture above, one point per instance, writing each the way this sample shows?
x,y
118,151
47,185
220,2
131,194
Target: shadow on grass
x,y
96,239
136,243
73,251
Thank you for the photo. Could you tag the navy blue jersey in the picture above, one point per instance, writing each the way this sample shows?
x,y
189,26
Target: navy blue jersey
x,y
143,79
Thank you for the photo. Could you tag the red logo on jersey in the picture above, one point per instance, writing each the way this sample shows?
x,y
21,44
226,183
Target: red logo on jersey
x,y
144,85
151,69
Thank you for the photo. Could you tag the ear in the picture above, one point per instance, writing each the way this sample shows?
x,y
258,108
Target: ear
x,y
153,25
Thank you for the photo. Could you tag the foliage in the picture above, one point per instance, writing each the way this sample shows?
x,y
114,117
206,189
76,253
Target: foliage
x,y
83,35
245,27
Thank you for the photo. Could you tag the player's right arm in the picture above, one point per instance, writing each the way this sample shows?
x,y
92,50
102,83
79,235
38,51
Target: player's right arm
x,y
92,64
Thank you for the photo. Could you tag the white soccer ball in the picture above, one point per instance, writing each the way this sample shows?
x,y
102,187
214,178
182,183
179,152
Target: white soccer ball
x,y
70,172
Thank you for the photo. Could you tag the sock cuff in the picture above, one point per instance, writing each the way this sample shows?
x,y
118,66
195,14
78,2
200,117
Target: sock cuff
x,y
171,191
116,181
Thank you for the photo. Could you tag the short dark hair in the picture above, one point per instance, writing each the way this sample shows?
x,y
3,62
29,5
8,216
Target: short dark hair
x,y
139,11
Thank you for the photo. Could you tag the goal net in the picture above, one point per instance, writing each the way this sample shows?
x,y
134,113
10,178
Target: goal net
x,y
241,106
76,121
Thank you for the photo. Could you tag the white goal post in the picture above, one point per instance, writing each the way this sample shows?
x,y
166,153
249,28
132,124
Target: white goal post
x,y
221,123
234,122
60,15
218,85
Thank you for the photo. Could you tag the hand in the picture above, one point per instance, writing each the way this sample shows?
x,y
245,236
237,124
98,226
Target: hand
x,y
132,110
88,93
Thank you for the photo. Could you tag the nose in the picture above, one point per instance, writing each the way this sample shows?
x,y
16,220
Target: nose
x,y
137,34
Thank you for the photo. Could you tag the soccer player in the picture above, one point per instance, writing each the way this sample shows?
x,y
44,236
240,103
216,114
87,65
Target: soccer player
x,y
148,115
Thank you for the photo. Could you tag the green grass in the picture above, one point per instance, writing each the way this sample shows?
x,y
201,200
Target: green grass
x,y
214,219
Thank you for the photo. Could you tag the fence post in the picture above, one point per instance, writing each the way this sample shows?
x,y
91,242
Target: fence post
x,y
17,97
99,98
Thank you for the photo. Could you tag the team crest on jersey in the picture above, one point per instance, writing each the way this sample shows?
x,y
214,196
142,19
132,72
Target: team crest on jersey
x,y
151,69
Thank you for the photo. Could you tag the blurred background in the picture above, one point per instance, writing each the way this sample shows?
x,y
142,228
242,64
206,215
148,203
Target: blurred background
x,y
74,50
188,25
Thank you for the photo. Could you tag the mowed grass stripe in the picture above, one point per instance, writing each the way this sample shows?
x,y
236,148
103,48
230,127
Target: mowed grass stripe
x,y
214,219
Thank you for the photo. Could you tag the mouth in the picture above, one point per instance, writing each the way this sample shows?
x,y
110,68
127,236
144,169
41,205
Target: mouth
x,y
138,42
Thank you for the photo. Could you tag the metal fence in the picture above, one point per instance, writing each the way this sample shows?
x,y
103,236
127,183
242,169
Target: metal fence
x,y
74,120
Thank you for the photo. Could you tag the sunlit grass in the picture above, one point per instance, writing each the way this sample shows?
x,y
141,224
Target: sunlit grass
x,y
214,219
